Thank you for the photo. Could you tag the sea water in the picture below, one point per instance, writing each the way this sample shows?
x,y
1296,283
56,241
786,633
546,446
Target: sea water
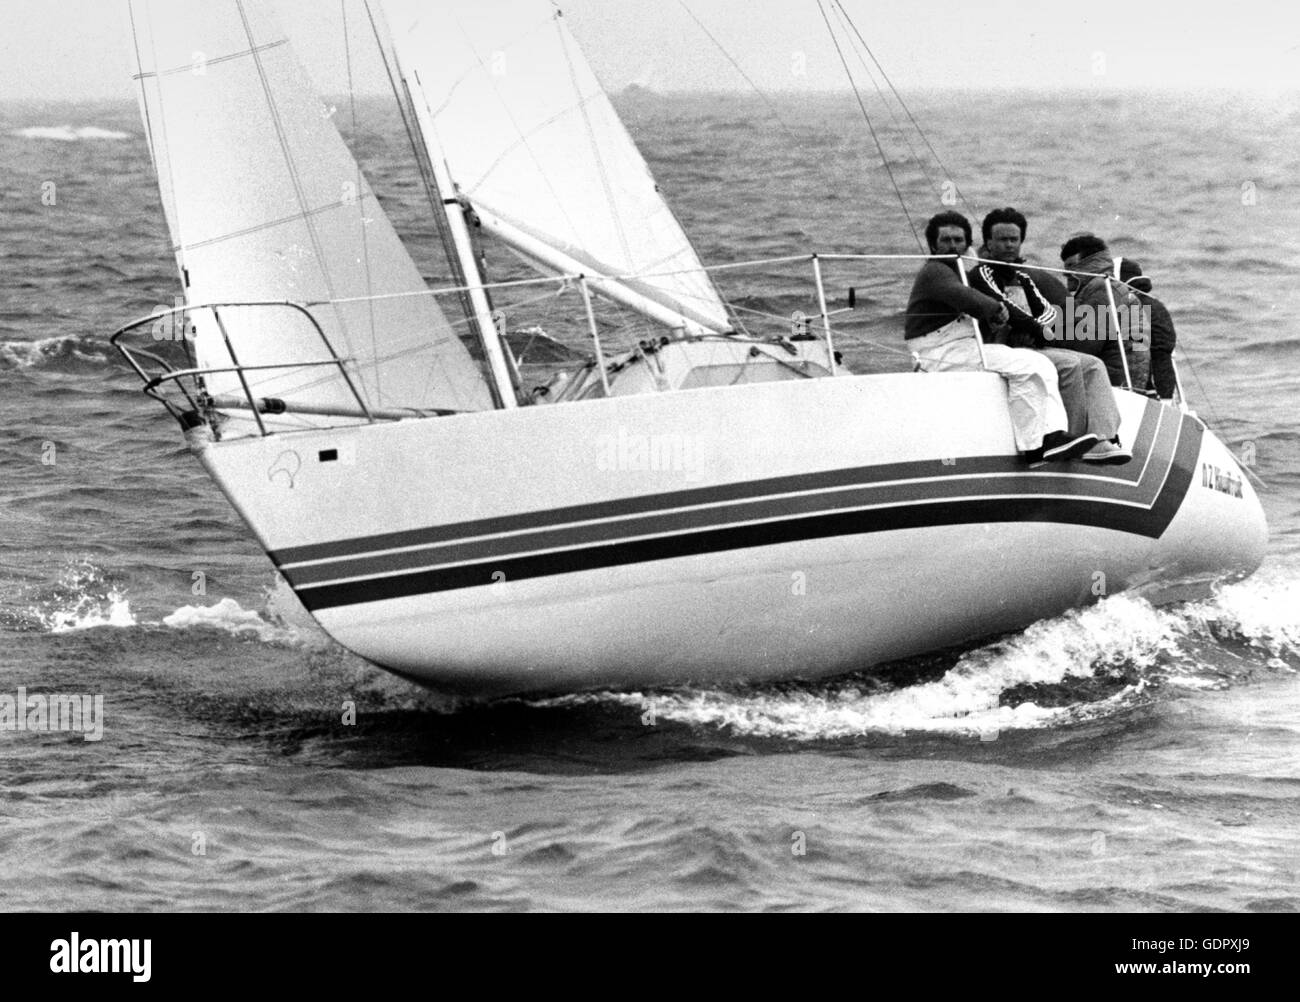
x,y
1119,757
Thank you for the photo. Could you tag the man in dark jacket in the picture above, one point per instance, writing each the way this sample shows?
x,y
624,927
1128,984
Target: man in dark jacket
x,y
1083,379
1088,256
1162,336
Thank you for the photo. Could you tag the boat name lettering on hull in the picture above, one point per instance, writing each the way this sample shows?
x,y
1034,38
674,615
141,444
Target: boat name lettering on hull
x,y
1220,480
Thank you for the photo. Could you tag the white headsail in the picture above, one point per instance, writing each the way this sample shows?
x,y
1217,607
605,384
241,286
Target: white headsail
x,y
531,140
265,202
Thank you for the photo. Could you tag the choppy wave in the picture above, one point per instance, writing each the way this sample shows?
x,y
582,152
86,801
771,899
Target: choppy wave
x,y
85,598
114,610
54,351
68,133
1195,811
1084,665
1087,664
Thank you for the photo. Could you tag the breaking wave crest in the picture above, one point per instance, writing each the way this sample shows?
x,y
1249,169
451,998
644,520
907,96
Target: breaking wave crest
x,y
1262,612
68,133
1084,665
83,599
88,598
54,351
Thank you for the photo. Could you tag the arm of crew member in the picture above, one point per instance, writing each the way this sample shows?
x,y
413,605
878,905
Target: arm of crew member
x,y
1050,287
982,280
952,292
1163,340
1043,315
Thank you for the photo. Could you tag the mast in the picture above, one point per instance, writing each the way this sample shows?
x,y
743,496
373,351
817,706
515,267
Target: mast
x,y
452,221
458,225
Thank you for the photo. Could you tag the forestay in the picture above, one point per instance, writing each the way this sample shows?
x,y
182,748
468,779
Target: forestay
x,y
265,202
532,141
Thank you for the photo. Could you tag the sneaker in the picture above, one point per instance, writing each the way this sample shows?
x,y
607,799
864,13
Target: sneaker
x,y
1058,447
1034,458
1108,454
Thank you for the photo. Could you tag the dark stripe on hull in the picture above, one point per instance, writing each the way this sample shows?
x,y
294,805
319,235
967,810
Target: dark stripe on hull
x,y
1047,479
1149,519
700,520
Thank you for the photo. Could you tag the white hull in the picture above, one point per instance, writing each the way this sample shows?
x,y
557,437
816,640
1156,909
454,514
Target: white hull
x,y
760,532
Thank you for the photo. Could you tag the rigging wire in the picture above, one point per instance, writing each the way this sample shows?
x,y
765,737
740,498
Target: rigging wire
x,y
795,141
903,104
615,215
833,182
419,349
1199,385
846,24
870,126
377,372
153,144
420,156
814,325
1214,421
524,139
789,133
601,170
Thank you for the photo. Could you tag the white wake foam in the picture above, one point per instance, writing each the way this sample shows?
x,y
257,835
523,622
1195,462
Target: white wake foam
x,y
228,616
84,600
68,133
1121,633
965,702
1263,611
1122,637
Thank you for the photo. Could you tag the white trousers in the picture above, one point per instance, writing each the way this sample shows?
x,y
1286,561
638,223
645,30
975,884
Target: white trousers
x,y
1034,397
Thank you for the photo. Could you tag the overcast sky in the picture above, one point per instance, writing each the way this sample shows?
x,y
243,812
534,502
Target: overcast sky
x,y
75,49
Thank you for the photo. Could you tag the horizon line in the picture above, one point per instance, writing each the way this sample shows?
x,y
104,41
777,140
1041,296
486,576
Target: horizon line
x,y
637,89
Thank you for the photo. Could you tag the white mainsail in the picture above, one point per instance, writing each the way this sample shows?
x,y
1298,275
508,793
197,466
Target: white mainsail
x,y
509,103
266,203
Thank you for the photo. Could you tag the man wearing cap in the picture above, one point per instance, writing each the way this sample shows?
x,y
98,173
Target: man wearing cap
x,y
1088,256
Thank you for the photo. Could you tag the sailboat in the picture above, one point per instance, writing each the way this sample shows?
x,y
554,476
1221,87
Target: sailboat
x,y
709,507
